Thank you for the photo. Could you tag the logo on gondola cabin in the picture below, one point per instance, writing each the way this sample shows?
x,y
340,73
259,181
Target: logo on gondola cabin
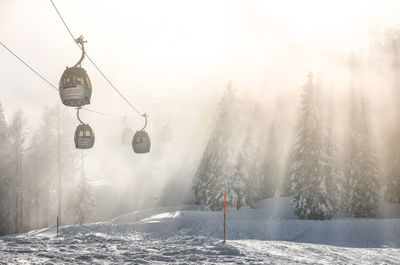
x,y
73,91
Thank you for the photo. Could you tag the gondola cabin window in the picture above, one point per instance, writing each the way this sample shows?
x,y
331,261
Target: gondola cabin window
x,y
79,81
69,81
88,84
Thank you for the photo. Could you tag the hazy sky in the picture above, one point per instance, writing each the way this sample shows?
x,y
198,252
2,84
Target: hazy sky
x,y
161,51
174,58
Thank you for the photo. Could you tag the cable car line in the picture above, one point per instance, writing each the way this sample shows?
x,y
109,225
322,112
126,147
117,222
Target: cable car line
x,y
119,93
27,65
98,69
101,113
50,84
65,24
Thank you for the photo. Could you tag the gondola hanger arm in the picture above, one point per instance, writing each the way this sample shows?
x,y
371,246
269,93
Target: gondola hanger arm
x,y
77,115
145,119
80,42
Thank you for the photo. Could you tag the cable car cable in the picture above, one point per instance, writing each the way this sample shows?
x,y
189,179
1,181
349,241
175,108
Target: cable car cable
x,y
98,69
27,65
101,113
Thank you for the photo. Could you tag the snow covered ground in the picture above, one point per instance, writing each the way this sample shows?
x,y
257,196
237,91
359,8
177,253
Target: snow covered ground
x,y
90,246
186,235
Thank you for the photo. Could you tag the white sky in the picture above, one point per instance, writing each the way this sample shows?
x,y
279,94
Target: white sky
x,y
158,51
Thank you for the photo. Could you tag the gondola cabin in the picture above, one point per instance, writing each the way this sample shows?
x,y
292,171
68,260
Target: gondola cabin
x,y
75,87
141,142
166,134
84,137
126,137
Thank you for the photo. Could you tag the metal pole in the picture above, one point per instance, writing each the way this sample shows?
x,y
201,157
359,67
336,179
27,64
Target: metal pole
x,y
21,177
17,180
83,166
18,142
224,218
59,166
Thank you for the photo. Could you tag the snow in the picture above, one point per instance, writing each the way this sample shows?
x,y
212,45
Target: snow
x,y
277,207
186,234
99,248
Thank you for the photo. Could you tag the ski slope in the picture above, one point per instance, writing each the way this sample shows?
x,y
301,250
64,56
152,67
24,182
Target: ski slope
x,y
186,235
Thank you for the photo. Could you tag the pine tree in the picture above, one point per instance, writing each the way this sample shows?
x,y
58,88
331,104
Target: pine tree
x,y
44,166
392,170
46,175
69,165
270,168
34,181
282,114
18,133
306,167
217,173
332,176
84,200
362,176
6,181
248,170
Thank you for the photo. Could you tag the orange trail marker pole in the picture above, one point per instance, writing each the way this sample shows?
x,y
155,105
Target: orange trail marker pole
x,y
224,217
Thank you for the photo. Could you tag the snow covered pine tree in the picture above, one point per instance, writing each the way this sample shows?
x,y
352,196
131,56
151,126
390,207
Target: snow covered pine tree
x,y
6,178
270,167
333,176
310,200
247,167
217,173
362,175
84,203
392,169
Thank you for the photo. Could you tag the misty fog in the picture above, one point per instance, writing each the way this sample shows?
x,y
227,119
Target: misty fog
x,y
174,59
